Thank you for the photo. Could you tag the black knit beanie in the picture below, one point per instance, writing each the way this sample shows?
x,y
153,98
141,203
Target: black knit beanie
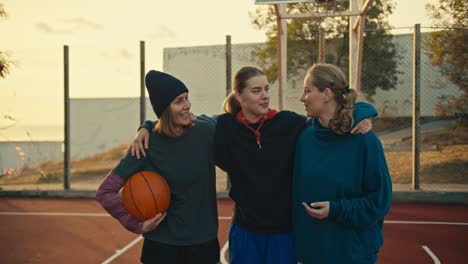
x,y
162,89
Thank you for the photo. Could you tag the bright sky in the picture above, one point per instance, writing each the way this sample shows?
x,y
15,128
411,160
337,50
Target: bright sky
x,y
104,40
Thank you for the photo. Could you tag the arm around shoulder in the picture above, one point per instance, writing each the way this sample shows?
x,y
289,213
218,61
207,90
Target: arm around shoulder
x,y
363,110
148,125
210,119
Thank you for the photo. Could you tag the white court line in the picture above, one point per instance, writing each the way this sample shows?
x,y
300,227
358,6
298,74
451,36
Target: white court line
x,y
431,254
226,246
119,252
74,214
223,253
220,218
53,214
425,223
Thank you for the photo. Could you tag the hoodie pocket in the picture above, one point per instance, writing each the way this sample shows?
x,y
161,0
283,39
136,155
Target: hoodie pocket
x,y
361,251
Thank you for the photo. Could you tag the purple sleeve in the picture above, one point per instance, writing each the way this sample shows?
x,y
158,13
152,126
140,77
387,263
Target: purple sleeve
x,y
108,196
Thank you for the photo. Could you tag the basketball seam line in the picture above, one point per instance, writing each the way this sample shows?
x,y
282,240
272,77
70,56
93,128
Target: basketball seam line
x,y
152,194
134,202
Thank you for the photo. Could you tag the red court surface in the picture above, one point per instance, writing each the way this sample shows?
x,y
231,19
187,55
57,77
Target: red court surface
x,y
80,231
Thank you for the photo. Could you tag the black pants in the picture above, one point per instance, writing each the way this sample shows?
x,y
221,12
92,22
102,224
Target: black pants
x,y
159,253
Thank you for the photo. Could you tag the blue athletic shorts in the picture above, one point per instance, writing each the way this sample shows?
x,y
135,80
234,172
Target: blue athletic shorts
x,y
247,247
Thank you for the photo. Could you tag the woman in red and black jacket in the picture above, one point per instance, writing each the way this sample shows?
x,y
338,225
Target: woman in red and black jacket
x,y
255,145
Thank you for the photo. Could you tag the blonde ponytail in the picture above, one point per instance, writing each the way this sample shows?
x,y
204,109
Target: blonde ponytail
x,y
343,120
330,76
231,105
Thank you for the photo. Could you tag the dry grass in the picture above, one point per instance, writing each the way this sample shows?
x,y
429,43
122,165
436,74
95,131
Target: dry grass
x,y
390,124
448,164
447,137
86,170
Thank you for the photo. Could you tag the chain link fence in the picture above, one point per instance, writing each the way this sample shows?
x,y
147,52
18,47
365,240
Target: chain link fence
x,y
442,138
26,146
104,115
102,127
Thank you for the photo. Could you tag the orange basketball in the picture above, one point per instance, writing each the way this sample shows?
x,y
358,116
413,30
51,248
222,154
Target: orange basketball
x,y
146,194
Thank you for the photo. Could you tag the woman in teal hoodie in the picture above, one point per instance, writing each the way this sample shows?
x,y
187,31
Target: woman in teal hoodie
x,y
255,145
341,186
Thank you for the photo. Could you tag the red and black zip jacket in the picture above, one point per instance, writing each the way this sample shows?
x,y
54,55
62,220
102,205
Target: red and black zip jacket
x,y
260,167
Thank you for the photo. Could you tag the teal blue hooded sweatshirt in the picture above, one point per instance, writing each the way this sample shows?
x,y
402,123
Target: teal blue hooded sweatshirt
x,y
351,172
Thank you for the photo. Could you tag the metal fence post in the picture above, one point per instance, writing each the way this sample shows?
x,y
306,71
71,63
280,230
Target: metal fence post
x,y
321,53
228,65
228,82
142,83
66,138
416,104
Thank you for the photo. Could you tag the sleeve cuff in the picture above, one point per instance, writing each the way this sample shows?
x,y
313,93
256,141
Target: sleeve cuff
x,y
363,110
210,119
148,125
132,224
335,209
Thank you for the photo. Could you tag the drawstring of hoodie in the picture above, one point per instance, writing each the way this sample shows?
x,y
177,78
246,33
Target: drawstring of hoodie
x,y
241,118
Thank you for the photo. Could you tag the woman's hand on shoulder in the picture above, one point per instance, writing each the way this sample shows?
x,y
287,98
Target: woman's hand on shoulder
x,y
140,143
363,127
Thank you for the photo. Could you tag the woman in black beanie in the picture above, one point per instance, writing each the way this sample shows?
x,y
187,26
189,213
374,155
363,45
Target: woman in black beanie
x,y
255,145
180,150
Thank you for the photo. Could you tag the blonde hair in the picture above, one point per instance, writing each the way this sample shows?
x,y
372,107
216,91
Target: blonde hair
x,y
165,125
330,76
230,104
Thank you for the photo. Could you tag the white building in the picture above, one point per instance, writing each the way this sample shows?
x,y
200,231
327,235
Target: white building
x,y
203,69
101,124
96,125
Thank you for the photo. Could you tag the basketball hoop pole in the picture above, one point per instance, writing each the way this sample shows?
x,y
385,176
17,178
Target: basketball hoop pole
x,y
282,51
354,71
356,13
356,41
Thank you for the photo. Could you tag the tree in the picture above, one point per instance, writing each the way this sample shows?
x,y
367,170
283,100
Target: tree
x,y
5,62
2,10
447,49
380,58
